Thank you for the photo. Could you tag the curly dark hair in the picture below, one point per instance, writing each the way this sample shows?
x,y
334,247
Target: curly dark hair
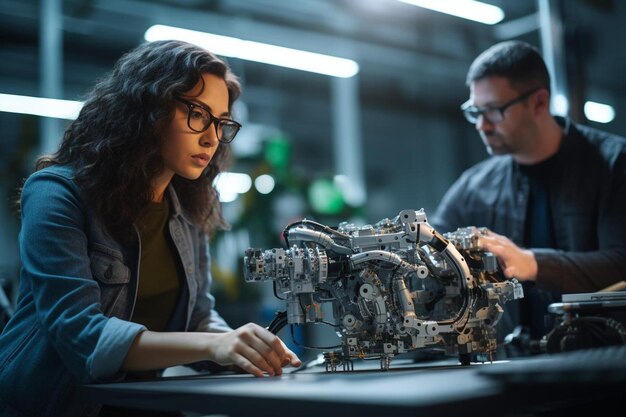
x,y
114,144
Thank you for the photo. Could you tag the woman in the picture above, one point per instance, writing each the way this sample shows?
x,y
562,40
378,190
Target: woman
x,y
115,267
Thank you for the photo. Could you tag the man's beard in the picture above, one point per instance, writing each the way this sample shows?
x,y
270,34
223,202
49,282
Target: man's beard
x,y
495,144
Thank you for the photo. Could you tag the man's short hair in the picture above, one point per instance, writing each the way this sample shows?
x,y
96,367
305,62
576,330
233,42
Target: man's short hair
x,y
518,61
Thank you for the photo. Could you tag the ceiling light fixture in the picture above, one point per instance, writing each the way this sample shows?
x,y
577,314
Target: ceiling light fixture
x,y
39,106
258,52
599,112
466,9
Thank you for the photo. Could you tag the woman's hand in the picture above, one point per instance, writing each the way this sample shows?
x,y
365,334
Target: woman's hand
x,y
253,349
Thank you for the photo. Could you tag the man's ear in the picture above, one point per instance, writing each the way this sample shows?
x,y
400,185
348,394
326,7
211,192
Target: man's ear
x,y
541,101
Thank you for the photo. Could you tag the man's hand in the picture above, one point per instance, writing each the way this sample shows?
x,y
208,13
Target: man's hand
x,y
253,349
515,262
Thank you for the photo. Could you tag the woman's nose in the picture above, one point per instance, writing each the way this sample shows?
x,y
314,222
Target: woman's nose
x,y
209,137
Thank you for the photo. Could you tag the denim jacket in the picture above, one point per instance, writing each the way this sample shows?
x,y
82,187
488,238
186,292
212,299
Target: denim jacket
x,y
77,293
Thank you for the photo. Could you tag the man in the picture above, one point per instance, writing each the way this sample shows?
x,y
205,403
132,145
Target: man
x,y
553,192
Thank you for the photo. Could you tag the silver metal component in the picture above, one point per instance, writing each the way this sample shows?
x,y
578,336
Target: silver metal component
x,y
368,291
422,271
306,235
295,314
490,261
395,286
350,322
408,309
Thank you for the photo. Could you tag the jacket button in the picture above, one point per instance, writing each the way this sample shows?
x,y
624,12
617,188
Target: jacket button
x,y
190,270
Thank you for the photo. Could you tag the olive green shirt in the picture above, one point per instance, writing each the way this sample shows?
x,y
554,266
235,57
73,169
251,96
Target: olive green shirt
x,y
159,281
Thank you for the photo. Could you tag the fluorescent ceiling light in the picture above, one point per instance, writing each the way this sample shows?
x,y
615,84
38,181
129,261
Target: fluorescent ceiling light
x,y
467,9
598,112
38,106
258,52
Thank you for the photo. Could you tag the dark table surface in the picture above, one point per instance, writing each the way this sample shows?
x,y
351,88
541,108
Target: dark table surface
x,y
433,388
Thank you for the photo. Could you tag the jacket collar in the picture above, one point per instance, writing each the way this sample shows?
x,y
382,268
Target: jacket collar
x,y
176,206
565,123
571,135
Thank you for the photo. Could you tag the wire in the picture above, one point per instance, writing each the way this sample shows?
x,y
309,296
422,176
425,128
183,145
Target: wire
x,y
275,292
279,321
311,223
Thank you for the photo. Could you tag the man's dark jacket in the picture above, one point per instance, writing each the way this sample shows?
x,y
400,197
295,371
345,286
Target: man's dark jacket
x,y
587,197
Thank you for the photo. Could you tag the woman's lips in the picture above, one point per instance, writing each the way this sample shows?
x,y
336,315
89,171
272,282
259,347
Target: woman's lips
x,y
201,159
